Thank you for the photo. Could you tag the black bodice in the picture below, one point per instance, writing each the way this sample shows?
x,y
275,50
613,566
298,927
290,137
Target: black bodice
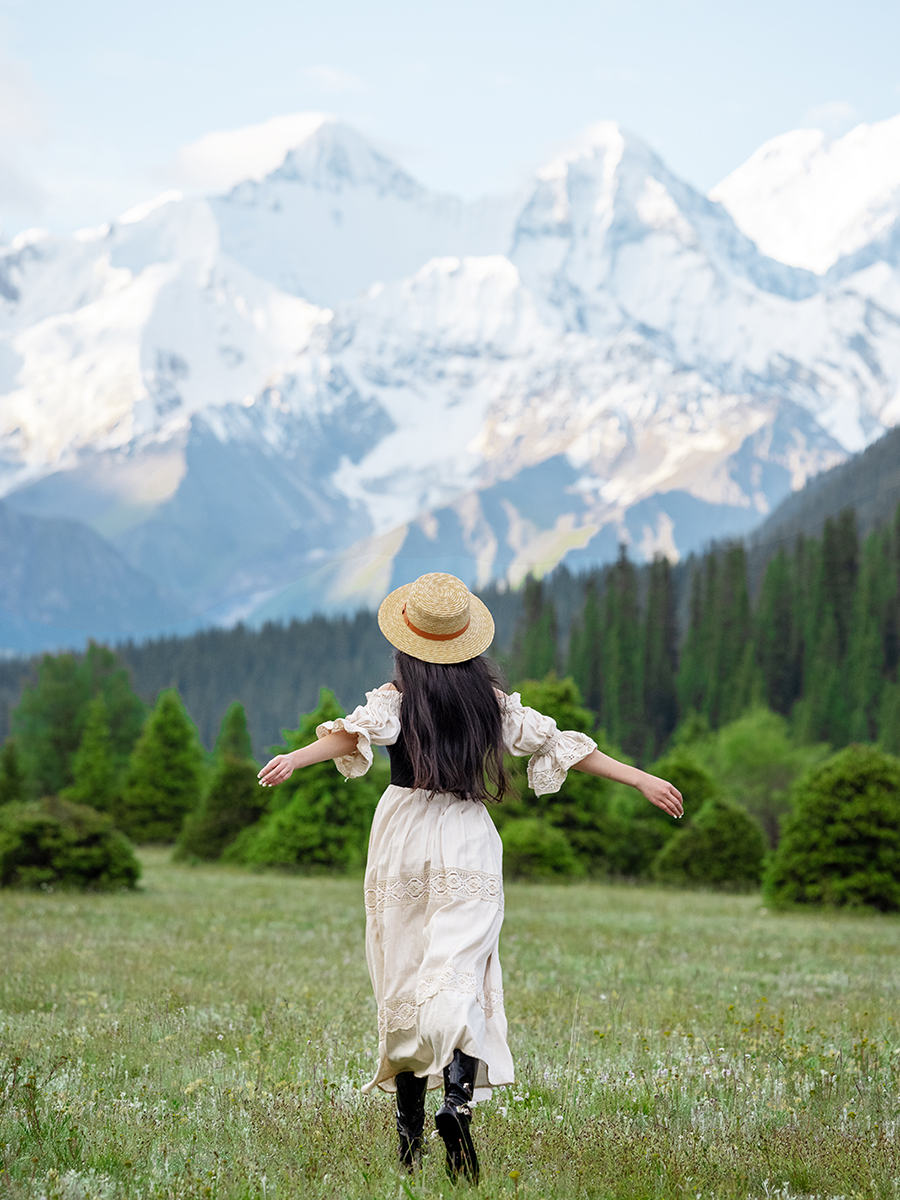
x,y
401,767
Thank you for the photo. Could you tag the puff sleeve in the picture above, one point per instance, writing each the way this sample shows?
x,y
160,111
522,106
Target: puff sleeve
x,y
375,723
553,751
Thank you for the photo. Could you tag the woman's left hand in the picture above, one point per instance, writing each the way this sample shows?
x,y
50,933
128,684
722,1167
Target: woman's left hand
x,y
663,794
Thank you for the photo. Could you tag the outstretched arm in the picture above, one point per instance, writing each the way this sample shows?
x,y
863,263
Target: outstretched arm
x,y
282,766
658,791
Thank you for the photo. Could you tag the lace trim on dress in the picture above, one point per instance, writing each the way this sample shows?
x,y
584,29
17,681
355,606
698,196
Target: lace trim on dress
x,y
455,883
395,1015
451,980
400,1013
548,766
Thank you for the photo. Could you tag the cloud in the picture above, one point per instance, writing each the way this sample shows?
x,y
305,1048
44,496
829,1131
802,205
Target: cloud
x,y
333,80
20,103
220,160
834,118
18,191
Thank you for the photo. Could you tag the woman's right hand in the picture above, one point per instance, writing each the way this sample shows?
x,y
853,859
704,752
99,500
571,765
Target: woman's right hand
x,y
276,770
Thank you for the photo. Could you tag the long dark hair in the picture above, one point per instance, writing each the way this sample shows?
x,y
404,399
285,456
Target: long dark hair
x,y
452,726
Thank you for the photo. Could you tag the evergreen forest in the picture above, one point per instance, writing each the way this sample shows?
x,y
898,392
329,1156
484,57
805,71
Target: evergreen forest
x,y
736,694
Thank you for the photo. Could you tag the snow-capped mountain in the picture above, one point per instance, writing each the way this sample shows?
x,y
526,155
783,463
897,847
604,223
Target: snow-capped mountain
x,y
810,201
338,216
294,395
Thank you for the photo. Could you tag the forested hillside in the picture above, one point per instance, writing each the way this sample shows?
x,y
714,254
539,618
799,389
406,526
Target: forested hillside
x,y
818,640
276,672
869,483
735,709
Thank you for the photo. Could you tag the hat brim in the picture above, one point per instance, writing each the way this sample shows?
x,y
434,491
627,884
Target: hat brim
x,y
474,641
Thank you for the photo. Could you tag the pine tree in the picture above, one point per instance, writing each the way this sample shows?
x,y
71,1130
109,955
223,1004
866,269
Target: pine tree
x,y
234,799
92,765
233,802
586,650
693,678
892,615
535,649
12,776
621,713
49,721
840,557
889,718
164,776
889,709
823,712
817,643
660,658
234,739
125,711
776,640
51,716
866,668
826,573
730,663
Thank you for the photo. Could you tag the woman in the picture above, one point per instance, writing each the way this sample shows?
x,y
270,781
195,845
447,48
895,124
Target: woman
x,y
434,883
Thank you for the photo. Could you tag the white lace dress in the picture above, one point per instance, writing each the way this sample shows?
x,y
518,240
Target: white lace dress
x,y
434,900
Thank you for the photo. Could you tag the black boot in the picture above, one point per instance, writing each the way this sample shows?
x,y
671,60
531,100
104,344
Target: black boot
x,y
410,1117
455,1114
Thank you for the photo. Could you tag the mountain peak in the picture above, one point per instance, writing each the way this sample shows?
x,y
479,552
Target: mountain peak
x,y
603,140
335,157
775,197
221,160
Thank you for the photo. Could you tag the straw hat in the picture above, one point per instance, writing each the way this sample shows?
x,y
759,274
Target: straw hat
x,y
436,619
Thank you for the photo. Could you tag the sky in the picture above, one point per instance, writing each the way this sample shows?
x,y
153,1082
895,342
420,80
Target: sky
x,y
102,102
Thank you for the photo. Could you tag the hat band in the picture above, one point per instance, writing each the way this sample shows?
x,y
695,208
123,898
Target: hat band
x,y
434,637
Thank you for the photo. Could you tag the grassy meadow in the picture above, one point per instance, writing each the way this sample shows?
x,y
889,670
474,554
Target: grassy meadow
x,y
207,1037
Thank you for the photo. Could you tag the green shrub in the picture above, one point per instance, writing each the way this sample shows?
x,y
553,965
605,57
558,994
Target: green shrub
x,y
755,762
620,829
12,775
534,849
559,699
723,846
841,844
581,807
682,769
646,829
636,831
55,842
317,819
611,829
164,777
